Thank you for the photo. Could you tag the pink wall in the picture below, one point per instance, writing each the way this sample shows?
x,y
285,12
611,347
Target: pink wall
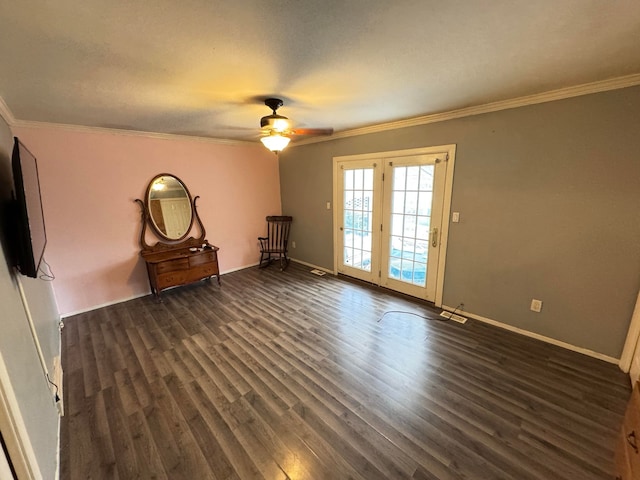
x,y
90,179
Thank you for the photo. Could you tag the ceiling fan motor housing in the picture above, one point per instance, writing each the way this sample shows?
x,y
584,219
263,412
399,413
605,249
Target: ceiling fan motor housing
x,y
275,124
273,121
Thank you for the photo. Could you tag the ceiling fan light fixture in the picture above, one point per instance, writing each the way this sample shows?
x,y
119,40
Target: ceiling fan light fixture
x,y
276,129
275,142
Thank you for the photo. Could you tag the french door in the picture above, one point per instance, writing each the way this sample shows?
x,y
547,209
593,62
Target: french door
x,y
390,217
360,184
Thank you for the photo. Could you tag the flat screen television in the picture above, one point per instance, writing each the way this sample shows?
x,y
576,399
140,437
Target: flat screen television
x,y
28,219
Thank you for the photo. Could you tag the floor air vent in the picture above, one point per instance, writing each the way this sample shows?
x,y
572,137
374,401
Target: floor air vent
x,y
453,316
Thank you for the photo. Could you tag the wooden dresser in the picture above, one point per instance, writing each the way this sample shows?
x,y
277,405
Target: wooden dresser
x,y
174,260
627,459
171,268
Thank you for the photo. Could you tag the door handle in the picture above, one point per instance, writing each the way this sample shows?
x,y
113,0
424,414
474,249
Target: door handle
x,y
434,237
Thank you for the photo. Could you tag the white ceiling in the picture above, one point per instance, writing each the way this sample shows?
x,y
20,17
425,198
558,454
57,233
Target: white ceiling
x,y
201,68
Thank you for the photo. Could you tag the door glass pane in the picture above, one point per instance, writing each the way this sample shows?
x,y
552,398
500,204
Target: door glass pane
x,y
366,243
357,201
358,179
348,238
358,215
408,247
422,250
422,228
409,230
396,224
348,180
411,203
399,175
407,271
413,178
424,203
357,243
398,202
411,199
368,179
348,197
426,178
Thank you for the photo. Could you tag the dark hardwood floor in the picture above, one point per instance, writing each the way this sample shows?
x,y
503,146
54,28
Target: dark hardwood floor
x,y
292,376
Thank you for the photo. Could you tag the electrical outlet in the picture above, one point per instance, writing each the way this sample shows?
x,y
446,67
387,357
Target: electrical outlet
x,y
536,305
455,217
293,244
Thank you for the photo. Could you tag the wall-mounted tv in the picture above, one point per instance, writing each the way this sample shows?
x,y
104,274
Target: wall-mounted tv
x,y
28,218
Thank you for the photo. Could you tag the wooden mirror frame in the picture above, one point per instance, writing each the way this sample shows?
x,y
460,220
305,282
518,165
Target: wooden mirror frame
x,y
165,242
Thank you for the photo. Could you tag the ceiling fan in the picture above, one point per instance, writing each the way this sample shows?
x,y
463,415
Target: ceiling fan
x,y
277,131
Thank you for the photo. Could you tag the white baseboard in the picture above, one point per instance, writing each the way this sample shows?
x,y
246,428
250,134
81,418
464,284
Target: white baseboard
x,y
312,265
106,304
240,268
133,297
537,336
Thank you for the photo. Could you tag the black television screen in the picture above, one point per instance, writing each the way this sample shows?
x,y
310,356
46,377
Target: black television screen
x,y
28,224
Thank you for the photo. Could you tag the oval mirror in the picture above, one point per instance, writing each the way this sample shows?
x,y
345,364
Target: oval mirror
x,y
170,207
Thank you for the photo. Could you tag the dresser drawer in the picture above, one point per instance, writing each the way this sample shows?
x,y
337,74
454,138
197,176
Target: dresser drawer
x,y
172,279
172,265
203,271
631,433
202,258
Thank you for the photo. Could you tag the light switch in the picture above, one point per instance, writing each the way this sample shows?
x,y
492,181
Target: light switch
x,y
328,205
455,217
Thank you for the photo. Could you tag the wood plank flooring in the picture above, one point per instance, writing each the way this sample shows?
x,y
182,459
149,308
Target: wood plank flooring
x,y
286,375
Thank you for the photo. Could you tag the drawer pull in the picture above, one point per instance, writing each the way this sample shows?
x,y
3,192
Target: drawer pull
x,y
631,440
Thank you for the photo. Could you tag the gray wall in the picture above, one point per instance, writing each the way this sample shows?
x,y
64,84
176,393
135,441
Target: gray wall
x,y
549,199
26,378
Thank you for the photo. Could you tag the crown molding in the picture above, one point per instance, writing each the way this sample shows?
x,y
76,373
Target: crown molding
x,y
6,113
550,96
129,133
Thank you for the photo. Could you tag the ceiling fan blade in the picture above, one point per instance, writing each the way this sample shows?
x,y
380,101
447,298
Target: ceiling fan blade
x,y
312,131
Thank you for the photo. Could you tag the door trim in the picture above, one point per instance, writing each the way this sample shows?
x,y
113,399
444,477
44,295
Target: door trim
x,y
630,352
450,151
14,430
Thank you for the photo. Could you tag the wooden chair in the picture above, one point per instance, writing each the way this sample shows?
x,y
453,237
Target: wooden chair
x,y
275,244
